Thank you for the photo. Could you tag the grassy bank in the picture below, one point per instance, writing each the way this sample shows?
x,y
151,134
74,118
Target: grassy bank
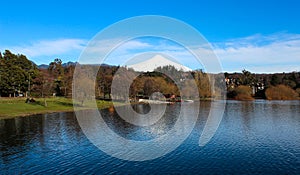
x,y
12,107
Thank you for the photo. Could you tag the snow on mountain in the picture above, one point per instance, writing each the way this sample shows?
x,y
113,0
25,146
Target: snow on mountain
x,y
155,62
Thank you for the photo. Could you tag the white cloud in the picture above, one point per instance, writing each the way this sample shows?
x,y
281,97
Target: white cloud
x,y
51,47
42,51
273,53
257,53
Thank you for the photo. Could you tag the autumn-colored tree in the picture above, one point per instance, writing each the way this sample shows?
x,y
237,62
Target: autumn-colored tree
x,y
121,83
67,80
189,90
83,85
42,83
104,80
136,87
203,83
157,82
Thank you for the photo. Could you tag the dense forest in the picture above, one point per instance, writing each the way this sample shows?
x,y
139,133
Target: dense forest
x,y
21,77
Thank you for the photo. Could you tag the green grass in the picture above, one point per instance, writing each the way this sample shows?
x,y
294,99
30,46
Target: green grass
x,y
13,107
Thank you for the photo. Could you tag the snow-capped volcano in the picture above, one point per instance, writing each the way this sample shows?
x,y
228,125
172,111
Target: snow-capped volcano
x,y
155,62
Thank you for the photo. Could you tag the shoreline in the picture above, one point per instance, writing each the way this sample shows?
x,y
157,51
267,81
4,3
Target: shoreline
x,y
59,104
33,113
16,107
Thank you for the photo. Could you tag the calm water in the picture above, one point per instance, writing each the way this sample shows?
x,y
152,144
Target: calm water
x,y
261,137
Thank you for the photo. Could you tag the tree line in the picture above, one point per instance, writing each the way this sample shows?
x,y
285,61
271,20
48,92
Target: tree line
x,y
277,86
21,77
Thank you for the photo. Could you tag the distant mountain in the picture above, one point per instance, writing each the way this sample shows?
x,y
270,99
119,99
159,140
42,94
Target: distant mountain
x,y
142,66
45,66
155,62
69,64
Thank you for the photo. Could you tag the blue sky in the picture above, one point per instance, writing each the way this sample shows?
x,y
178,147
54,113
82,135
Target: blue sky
x,y
261,36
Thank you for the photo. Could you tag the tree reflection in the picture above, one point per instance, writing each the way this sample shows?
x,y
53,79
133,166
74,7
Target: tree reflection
x,y
22,136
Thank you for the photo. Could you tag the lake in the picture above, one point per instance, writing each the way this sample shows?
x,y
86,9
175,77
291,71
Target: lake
x,y
256,137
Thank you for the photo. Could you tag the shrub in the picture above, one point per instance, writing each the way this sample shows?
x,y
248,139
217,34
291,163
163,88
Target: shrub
x,y
298,91
241,93
244,93
281,92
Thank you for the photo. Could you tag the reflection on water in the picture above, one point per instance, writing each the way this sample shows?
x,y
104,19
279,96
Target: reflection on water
x,y
134,132
260,137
